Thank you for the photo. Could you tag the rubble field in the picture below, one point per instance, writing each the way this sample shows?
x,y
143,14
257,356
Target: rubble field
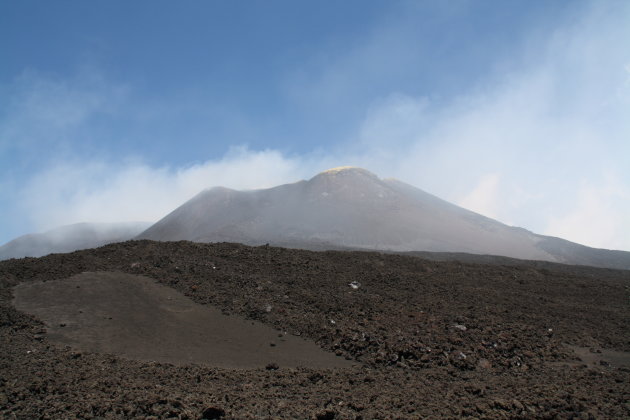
x,y
413,338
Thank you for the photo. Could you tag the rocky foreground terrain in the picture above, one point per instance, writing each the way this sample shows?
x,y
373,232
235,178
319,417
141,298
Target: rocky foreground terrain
x,y
429,339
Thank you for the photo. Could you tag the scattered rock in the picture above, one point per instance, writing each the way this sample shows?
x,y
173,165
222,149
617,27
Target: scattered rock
x,y
315,377
213,413
484,364
373,327
502,404
326,415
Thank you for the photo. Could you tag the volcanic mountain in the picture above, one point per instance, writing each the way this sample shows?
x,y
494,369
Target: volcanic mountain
x,y
351,208
70,238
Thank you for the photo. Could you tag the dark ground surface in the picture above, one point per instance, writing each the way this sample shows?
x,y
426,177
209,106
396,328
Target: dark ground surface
x,y
138,318
433,339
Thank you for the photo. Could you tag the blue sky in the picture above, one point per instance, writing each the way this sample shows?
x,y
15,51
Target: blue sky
x,y
113,111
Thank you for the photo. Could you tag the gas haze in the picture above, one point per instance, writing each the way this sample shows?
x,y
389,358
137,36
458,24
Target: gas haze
x,y
110,192
542,142
351,208
70,238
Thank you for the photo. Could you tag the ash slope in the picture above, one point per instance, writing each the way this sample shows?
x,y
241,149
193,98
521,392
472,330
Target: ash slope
x,y
351,208
137,318
70,238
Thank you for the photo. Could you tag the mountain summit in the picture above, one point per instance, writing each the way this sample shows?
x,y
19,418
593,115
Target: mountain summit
x,y
349,207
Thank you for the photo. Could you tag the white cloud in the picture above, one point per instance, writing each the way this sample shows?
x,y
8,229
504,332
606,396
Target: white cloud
x,y
551,124
483,198
101,191
598,216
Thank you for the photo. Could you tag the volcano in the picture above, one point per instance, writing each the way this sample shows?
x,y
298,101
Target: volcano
x,y
352,208
70,238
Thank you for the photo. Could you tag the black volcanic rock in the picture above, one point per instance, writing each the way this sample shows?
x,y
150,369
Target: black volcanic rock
x,y
351,208
541,340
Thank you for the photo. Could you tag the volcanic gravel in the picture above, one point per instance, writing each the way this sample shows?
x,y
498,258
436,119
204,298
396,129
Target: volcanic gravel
x,y
432,338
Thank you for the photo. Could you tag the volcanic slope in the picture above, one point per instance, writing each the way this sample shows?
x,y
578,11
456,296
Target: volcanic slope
x,y
431,339
351,208
70,238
